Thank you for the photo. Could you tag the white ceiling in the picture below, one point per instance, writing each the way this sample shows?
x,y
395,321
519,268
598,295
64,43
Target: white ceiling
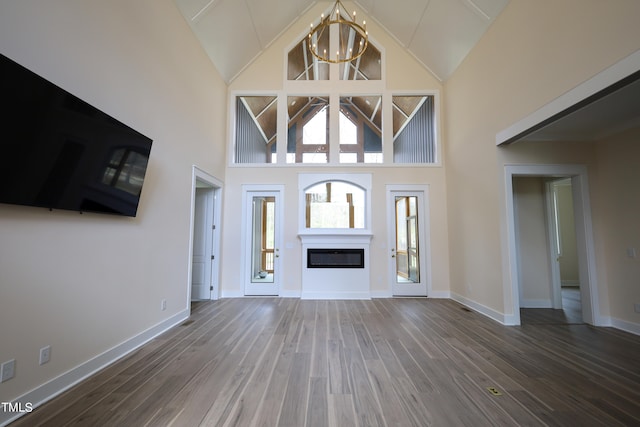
x,y
439,33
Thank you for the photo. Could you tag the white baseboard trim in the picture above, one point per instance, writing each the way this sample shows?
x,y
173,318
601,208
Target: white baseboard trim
x,y
432,294
58,385
347,295
290,294
482,309
381,294
231,294
335,295
377,295
536,303
602,321
631,327
439,295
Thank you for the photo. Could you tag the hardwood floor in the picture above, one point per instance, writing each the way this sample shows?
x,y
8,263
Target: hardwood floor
x,y
570,313
385,362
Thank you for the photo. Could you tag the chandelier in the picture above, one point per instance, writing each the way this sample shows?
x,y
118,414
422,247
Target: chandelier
x,y
353,38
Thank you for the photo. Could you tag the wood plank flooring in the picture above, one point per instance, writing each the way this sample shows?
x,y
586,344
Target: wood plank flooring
x,y
387,362
570,313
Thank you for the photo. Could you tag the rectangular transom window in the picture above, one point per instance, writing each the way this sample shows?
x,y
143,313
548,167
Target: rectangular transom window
x,y
256,129
414,139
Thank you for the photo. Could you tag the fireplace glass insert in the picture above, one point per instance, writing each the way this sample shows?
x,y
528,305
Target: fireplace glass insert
x,y
335,258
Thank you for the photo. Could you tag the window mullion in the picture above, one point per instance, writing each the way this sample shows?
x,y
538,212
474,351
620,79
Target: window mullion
x,y
387,128
334,128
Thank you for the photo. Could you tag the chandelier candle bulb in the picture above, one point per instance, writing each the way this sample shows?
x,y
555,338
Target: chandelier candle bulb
x,y
340,19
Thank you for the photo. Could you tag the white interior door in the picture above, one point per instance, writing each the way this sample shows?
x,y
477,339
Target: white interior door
x,y
407,231
202,257
262,213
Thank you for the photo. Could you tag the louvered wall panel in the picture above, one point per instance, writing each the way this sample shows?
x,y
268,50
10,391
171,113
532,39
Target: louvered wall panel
x,y
416,142
250,144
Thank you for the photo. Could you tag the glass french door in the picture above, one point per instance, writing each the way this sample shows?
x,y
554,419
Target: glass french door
x,y
406,242
262,242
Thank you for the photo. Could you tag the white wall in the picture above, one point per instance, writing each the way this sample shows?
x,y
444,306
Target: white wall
x,y
617,212
87,283
533,53
514,70
266,74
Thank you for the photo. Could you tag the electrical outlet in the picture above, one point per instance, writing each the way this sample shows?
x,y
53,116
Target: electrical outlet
x,y
7,370
45,354
636,308
163,305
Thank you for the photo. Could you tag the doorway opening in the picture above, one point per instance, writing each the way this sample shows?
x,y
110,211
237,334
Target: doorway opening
x,y
204,245
539,236
549,282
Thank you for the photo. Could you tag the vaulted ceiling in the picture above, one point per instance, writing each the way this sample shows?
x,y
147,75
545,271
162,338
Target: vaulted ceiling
x,y
438,33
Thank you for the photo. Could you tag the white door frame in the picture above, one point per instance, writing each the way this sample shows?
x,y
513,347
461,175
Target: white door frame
x,y
424,245
200,178
248,192
584,238
203,233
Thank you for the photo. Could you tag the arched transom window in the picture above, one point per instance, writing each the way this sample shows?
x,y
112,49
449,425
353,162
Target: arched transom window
x,y
334,204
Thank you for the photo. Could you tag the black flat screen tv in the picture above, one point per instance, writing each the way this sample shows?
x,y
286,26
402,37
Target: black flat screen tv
x,y
59,152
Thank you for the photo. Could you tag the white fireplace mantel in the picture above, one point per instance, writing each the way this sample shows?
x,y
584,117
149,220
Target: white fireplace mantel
x,y
335,283
316,237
